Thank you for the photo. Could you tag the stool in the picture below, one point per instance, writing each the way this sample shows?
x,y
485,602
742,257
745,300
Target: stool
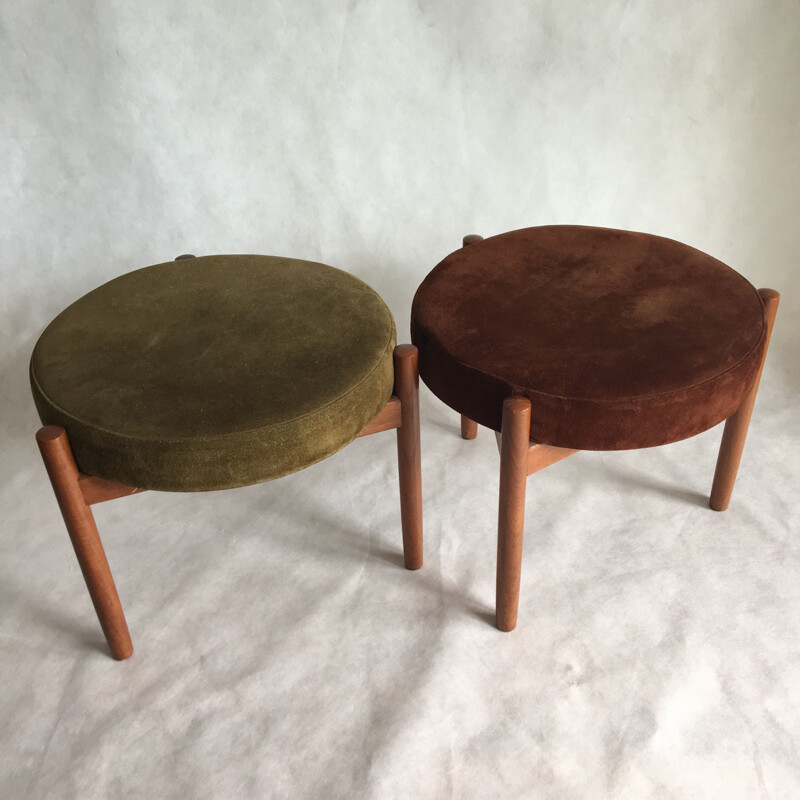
x,y
211,373
568,338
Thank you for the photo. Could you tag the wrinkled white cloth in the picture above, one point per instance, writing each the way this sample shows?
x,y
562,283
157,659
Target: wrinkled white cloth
x,y
281,649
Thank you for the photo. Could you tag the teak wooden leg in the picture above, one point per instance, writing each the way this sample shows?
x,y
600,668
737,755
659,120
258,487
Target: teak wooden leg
x,y
63,472
735,432
406,387
511,516
469,428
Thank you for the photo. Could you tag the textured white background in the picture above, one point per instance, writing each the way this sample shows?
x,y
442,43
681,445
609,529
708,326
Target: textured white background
x,y
281,649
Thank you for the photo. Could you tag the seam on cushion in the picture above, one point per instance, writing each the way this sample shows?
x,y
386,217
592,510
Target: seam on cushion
x,y
617,399
184,439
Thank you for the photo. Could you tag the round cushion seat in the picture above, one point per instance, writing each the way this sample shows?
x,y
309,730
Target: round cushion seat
x,y
214,372
619,339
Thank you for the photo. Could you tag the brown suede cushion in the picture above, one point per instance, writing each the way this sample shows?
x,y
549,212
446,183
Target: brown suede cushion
x,y
215,372
620,340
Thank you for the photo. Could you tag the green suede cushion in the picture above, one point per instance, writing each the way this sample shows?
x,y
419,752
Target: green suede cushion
x,y
215,372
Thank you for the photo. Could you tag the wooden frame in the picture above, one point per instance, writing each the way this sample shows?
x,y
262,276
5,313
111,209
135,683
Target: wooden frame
x,y
76,492
519,458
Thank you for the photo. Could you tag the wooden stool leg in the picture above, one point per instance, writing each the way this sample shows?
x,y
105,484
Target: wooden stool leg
x,y
735,432
406,387
511,517
469,428
60,464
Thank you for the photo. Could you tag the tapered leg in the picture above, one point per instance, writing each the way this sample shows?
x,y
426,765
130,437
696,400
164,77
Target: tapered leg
x,y
406,387
735,432
469,428
511,517
60,464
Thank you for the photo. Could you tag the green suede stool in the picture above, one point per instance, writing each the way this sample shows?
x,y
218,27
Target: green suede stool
x,y
211,373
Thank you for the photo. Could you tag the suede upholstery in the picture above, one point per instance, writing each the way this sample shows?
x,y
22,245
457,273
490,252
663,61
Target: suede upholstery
x,y
215,372
620,340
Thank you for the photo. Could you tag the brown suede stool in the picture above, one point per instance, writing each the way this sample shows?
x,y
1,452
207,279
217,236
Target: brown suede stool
x,y
568,338
211,373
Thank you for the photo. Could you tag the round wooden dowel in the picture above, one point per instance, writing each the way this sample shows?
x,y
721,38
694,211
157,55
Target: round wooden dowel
x,y
63,472
515,441
734,434
469,428
406,387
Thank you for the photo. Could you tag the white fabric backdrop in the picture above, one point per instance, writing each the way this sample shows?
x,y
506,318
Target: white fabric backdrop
x,y
281,650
